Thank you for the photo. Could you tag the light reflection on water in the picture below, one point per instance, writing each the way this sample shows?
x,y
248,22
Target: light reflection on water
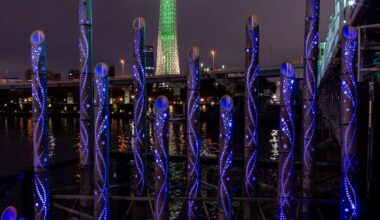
x,y
274,143
16,134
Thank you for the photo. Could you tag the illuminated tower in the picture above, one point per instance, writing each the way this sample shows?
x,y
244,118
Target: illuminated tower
x,y
167,49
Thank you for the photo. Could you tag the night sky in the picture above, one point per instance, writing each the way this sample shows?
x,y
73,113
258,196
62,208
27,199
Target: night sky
x,y
208,24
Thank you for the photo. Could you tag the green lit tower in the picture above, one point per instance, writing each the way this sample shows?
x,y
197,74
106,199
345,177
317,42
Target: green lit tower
x,y
167,49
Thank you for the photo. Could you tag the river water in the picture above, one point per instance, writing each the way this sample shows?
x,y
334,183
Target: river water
x,y
16,140
16,151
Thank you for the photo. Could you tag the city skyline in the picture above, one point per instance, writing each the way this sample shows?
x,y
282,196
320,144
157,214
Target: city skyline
x,y
113,31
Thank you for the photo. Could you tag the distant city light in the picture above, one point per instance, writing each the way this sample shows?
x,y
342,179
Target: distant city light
x,y
223,66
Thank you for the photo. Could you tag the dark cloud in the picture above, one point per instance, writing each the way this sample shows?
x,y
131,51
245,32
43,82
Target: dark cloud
x,y
208,24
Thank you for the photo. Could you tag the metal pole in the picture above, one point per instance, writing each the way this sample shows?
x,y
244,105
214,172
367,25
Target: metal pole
x,y
309,101
193,133
40,127
287,143
348,119
225,157
161,153
139,119
86,152
251,111
101,140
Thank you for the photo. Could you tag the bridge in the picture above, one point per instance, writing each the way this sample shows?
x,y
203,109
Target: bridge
x,y
356,13
119,80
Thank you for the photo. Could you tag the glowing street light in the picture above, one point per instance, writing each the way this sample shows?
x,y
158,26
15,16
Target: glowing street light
x,y
122,62
212,52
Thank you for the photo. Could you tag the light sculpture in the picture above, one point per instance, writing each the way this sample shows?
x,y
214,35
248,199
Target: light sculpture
x,y
251,111
167,46
225,157
139,118
101,140
86,124
193,133
161,155
348,119
309,100
40,127
287,142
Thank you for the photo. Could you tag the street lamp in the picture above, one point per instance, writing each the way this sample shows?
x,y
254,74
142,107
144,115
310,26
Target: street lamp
x,y
122,62
213,59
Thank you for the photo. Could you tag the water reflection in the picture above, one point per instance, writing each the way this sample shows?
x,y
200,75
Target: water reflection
x,y
16,132
274,143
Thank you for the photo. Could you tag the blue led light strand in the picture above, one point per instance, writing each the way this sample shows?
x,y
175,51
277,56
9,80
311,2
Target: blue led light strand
x,y
40,127
349,101
225,157
139,119
101,140
161,155
287,142
86,107
310,99
251,111
86,84
193,133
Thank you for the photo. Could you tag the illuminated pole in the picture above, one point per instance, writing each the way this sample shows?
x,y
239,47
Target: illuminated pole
x,y
161,154
251,111
309,101
348,119
225,157
287,143
101,140
139,120
193,133
40,127
86,150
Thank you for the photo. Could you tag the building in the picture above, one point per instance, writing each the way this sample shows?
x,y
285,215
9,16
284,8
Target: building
x,y
167,46
74,74
149,56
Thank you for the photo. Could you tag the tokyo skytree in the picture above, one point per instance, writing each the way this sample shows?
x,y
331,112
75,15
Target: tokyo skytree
x,y
167,47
